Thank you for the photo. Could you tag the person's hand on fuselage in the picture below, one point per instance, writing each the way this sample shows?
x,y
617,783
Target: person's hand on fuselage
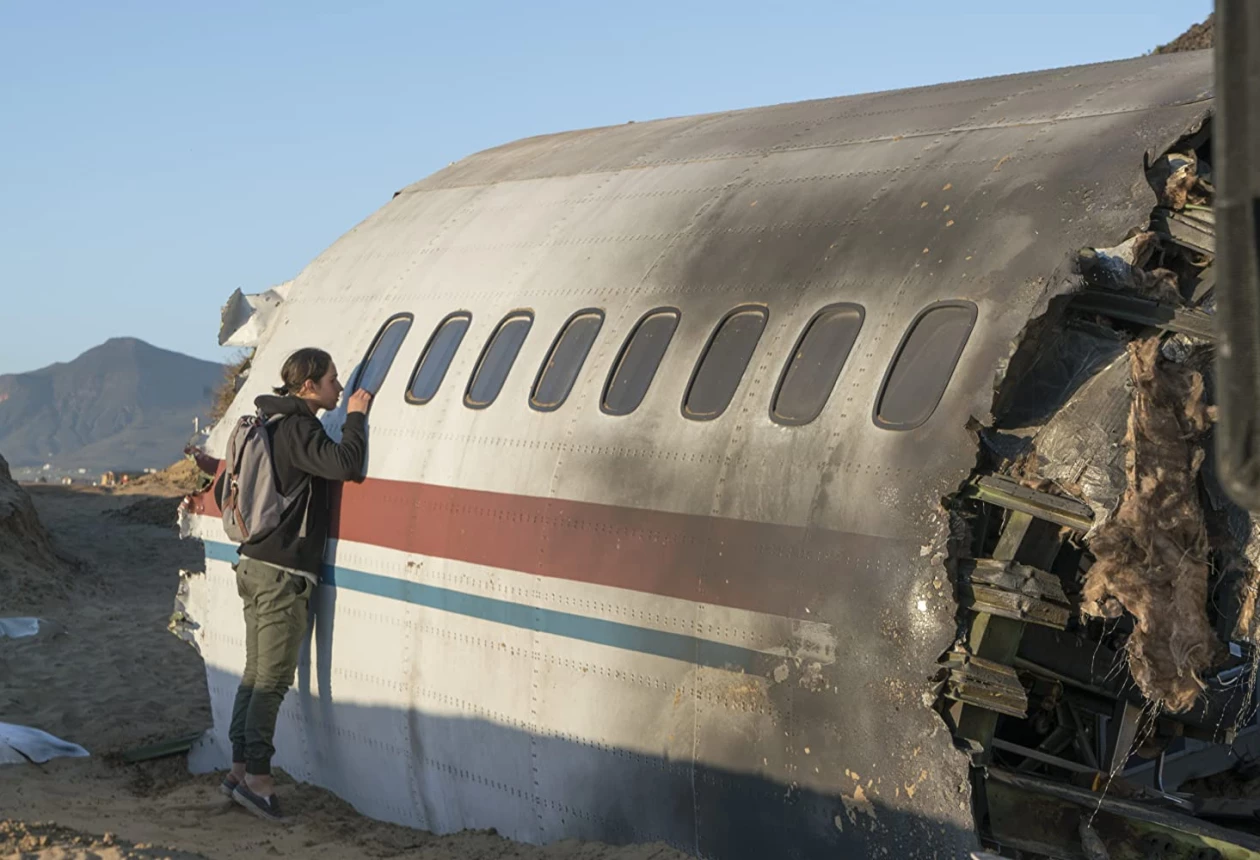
x,y
359,402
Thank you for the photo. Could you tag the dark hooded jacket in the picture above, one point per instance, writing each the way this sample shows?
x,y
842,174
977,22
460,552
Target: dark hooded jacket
x,y
300,447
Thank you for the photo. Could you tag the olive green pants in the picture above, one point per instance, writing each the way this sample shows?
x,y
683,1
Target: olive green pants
x,y
276,606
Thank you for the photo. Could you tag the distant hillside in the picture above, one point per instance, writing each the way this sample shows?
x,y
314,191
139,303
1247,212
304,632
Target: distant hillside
x,y
122,405
1198,37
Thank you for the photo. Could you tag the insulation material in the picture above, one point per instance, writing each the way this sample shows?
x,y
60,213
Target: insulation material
x,y
1151,559
1248,589
1177,181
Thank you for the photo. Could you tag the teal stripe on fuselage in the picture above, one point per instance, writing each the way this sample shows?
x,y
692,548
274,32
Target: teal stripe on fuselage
x,y
614,634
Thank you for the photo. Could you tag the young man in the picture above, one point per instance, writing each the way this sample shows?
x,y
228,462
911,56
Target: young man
x,y
277,573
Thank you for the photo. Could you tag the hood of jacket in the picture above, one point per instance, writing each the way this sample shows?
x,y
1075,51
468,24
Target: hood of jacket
x,y
286,404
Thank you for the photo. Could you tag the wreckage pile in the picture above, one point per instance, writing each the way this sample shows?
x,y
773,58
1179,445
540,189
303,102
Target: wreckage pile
x,y
30,568
1108,402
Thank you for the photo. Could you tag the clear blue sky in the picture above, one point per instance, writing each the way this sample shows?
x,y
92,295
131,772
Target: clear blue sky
x,y
156,156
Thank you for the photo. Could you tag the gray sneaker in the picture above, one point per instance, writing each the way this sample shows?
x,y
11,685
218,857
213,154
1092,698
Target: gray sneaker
x,y
263,807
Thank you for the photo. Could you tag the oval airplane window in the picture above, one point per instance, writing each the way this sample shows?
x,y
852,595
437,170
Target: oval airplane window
x,y
564,362
436,359
925,361
497,359
636,366
380,355
723,362
815,365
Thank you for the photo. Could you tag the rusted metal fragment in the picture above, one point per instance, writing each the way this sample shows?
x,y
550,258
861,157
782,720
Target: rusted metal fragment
x,y
1034,814
1006,493
1046,758
995,639
163,749
984,683
1014,590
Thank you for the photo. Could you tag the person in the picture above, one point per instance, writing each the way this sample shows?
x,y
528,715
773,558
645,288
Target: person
x,y
277,573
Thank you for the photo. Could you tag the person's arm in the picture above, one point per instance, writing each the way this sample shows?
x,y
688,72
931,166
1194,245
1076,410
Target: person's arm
x,y
204,461
316,454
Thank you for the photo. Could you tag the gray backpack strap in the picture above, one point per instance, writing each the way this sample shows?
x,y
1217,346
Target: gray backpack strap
x,y
305,485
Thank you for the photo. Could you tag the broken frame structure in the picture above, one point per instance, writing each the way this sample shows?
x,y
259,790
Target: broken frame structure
x,y
935,562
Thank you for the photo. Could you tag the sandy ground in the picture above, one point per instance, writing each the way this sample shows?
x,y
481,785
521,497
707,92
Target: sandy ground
x,y
108,675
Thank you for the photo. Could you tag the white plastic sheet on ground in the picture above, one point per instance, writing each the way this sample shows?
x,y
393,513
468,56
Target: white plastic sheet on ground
x,y
19,744
17,628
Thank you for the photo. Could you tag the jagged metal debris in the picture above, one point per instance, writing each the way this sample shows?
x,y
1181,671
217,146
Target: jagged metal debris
x,y
245,319
1081,448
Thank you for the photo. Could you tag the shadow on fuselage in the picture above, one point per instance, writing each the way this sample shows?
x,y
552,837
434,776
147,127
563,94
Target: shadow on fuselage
x,y
434,771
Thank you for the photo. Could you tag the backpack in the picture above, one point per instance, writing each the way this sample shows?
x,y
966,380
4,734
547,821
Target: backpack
x,y
252,504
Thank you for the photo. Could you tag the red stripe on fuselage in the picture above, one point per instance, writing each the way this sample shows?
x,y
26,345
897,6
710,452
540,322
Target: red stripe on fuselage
x,y
781,570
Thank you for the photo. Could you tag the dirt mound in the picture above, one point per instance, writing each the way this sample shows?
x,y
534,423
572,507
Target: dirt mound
x,y
162,492
177,479
30,568
149,511
1197,38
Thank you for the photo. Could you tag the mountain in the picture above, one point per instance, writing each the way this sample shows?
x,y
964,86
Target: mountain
x,y
122,405
1197,38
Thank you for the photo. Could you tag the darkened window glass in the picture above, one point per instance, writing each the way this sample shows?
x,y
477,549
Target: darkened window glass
x,y
925,361
381,354
816,363
637,364
722,364
437,357
496,360
565,360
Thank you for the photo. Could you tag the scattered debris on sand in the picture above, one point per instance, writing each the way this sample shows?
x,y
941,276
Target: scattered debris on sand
x,y
46,841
